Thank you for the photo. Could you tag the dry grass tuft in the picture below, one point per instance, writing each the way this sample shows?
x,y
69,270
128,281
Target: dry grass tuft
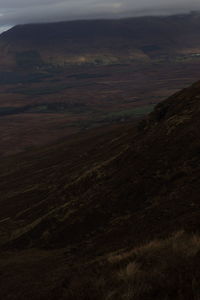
x,y
162,269
167,269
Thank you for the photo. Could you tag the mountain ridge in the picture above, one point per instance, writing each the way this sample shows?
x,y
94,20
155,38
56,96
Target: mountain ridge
x,y
103,41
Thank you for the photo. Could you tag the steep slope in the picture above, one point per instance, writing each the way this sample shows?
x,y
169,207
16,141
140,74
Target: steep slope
x,y
101,41
156,168
72,208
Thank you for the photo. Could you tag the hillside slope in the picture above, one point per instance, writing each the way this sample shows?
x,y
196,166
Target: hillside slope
x,y
83,207
101,41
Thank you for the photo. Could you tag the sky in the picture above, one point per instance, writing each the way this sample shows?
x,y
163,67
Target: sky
x,y
14,12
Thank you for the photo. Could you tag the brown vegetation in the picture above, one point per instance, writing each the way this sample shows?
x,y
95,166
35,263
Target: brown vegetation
x,y
95,216
162,269
113,213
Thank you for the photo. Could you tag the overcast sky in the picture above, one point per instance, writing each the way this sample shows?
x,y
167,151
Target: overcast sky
x,y
28,11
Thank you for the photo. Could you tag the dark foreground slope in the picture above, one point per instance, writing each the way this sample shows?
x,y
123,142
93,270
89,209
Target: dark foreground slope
x,y
114,215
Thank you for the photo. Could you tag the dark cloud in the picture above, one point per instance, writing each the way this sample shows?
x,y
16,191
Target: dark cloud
x,y
27,11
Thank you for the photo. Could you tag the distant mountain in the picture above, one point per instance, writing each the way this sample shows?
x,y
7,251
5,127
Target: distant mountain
x,y
62,78
101,41
79,211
